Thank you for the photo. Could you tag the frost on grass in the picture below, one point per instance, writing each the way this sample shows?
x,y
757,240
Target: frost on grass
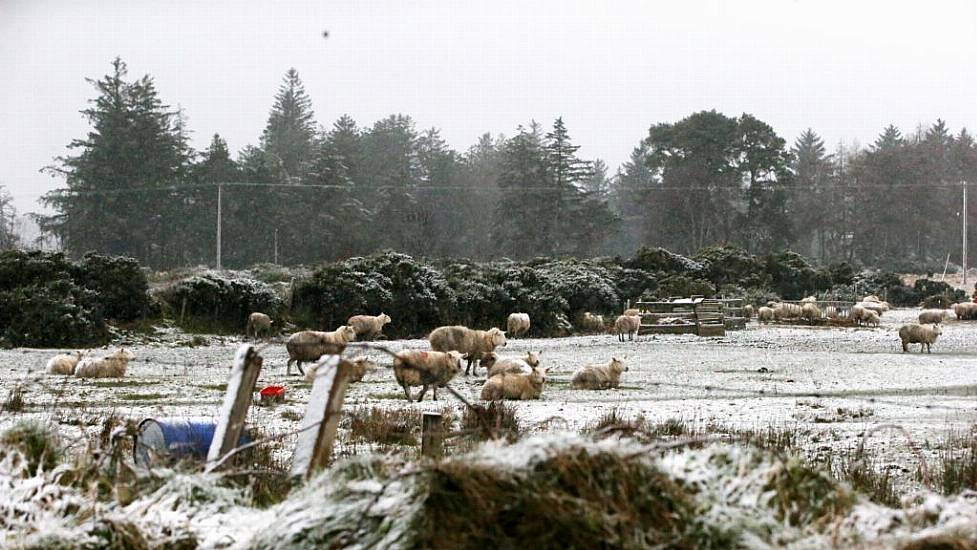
x,y
544,491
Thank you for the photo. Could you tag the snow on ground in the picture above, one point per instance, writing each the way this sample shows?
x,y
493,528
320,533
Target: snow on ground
x,y
819,381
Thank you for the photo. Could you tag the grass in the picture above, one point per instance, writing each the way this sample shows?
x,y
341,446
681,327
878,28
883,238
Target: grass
x,y
38,442
216,387
388,395
614,422
140,396
489,421
383,426
122,383
14,401
861,472
290,414
957,469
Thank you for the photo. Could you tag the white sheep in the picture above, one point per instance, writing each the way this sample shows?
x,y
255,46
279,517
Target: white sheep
x,y
64,363
628,324
368,327
870,318
517,324
591,322
429,369
511,385
110,366
932,316
499,366
632,311
766,314
811,312
258,323
310,345
924,335
599,376
358,369
748,311
471,343
965,311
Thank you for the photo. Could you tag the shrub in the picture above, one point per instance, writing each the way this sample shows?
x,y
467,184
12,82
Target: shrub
x,y
658,259
120,284
726,265
212,303
680,285
37,442
791,276
56,313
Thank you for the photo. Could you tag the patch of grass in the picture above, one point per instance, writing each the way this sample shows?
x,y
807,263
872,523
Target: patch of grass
x,y
140,396
14,401
289,414
803,495
38,442
387,395
958,464
781,439
861,472
384,426
120,383
217,387
489,421
614,422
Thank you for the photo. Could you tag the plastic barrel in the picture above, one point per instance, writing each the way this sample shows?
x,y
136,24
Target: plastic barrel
x,y
175,438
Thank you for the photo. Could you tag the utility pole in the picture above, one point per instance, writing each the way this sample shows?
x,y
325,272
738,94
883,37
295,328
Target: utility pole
x,y
276,246
219,197
963,214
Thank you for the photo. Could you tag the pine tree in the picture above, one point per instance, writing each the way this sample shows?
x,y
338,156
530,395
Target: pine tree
x,y
290,131
814,203
8,219
119,197
526,208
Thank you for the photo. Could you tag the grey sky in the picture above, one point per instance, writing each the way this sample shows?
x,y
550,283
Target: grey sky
x,y
611,69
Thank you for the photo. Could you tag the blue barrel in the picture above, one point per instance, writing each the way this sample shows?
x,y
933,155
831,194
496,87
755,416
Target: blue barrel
x,y
175,438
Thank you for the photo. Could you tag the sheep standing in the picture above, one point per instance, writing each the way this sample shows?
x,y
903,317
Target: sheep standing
x,y
497,366
748,311
599,376
627,324
810,312
517,324
429,369
632,311
64,363
110,366
258,323
965,311
932,316
870,318
368,327
471,343
358,369
766,314
512,385
310,345
924,335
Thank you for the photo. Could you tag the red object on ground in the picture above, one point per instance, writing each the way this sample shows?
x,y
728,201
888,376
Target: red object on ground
x,y
272,393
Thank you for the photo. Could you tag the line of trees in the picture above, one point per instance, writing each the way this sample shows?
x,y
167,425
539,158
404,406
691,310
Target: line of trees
x,y
135,187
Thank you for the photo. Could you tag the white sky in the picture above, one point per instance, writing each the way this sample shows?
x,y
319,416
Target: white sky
x,y
611,69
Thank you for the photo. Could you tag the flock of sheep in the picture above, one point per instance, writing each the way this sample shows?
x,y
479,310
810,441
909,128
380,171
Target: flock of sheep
x,y
451,346
507,377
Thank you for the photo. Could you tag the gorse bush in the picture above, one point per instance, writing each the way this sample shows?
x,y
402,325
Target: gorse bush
x,y
213,303
47,300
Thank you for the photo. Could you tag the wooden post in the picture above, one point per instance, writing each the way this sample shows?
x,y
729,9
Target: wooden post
x,y
314,445
432,435
237,401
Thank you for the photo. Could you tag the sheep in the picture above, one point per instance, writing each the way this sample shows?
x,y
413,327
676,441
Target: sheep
x,y
429,369
811,312
871,298
359,367
932,316
924,335
765,314
511,385
368,327
517,324
632,312
870,318
748,311
599,376
627,324
258,323
857,312
64,363
809,300
496,366
965,311
310,345
878,307
592,322
471,343
110,366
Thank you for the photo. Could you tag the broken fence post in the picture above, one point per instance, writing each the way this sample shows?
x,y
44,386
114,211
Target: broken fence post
x,y
322,414
237,401
432,435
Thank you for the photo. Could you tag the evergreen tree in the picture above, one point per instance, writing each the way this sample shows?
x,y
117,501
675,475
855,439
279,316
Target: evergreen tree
x,y
120,196
290,131
525,211
391,173
630,198
8,219
814,204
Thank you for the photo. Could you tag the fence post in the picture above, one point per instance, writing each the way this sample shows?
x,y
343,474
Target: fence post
x,y
237,401
432,435
314,445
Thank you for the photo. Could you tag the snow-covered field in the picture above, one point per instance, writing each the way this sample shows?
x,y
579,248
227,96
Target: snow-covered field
x,y
829,385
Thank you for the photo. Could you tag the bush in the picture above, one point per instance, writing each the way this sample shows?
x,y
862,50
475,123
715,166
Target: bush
x,y
120,284
660,260
212,303
732,265
680,285
791,276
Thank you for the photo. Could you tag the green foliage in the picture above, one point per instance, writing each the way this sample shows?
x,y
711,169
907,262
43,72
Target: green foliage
x,y
731,265
791,276
212,303
661,260
38,443
680,285
120,284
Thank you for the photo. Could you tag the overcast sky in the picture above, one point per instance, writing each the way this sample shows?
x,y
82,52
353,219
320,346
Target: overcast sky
x,y
611,69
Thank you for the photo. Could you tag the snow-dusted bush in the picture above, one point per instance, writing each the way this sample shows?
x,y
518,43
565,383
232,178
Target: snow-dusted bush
x,y
212,303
